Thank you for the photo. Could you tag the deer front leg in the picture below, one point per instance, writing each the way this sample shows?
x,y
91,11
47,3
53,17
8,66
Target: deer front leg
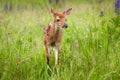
x,y
56,50
47,48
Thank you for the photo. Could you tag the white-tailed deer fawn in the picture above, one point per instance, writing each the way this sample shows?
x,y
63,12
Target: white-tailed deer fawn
x,y
53,33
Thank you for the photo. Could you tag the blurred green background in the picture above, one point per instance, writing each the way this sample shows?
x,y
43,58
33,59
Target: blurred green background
x,y
90,47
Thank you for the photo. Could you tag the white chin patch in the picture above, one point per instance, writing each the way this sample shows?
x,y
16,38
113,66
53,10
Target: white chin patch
x,y
57,27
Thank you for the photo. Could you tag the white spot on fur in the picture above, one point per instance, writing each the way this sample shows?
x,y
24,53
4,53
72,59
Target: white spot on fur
x,y
57,17
50,24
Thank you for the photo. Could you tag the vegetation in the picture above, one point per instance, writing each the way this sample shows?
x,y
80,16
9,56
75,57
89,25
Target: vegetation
x,y
90,48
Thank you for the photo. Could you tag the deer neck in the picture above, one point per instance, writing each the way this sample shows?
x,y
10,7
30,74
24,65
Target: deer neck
x,y
57,28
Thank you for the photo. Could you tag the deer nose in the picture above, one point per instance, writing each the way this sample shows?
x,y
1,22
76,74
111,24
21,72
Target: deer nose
x,y
65,26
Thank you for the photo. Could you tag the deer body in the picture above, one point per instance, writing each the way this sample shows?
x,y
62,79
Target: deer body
x,y
53,34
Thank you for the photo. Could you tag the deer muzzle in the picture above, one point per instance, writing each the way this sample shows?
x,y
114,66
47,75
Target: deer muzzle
x,y
65,26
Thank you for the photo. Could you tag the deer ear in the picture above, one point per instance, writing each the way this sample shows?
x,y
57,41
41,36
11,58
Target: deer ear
x,y
52,11
68,11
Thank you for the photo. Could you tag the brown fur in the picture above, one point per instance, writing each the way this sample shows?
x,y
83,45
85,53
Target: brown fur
x,y
53,36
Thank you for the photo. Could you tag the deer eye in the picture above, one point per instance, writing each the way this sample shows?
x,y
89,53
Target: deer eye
x,y
58,20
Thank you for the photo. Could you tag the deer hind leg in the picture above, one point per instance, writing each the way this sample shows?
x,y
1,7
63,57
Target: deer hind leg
x,y
56,50
47,48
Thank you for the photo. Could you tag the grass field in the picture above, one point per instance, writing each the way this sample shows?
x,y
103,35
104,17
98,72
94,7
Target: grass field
x,y
90,48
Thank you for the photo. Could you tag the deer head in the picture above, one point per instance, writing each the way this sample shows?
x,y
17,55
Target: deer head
x,y
60,18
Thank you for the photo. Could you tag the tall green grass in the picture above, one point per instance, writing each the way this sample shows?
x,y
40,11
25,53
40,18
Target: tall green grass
x,y
89,50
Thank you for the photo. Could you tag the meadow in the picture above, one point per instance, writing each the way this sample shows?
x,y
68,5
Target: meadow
x,y
90,48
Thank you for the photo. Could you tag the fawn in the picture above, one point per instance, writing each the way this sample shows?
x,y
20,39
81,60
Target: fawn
x,y
53,33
